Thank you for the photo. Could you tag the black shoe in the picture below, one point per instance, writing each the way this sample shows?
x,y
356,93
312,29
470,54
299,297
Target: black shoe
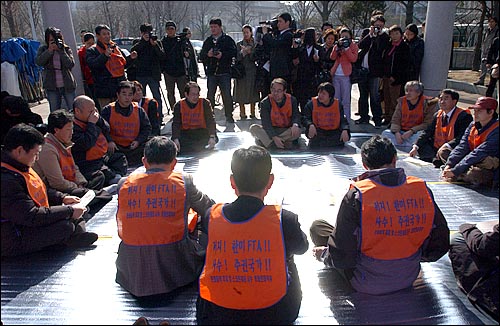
x,y
378,124
252,116
82,240
230,120
479,83
361,121
386,122
243,117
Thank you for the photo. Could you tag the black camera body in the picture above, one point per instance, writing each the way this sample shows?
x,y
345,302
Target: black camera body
x,y
376,29
153,36
344,42
58,40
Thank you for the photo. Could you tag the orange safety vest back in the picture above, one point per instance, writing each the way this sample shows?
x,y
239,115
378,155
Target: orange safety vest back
x,y
395,221
245,265
445,134
145,105
100,147
475,139
35,185
326,118
66,161
414,117
151,209
281,117
124,130
192,118
116,62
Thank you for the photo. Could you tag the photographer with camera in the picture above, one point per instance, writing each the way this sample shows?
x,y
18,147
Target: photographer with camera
x,y
148,68
374,45
280,44
173,67
57,60
345,53
217,54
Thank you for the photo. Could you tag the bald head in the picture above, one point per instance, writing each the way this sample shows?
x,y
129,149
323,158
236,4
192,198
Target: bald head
x,y
83,107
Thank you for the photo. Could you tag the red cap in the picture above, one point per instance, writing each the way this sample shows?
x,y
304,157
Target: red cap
x,y
485,103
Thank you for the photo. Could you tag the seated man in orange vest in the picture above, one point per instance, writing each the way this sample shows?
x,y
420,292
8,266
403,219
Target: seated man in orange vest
x,y
90,144
324,119
250,276
150,106
129,124
387,224
56,165
32,217
413,113
475,159
280,118
158,253
445,131
193,125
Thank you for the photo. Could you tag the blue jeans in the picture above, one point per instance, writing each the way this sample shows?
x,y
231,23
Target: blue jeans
x,y
224,83
154,86
407,144
54,98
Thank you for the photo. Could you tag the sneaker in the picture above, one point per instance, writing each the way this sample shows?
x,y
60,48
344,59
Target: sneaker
x,y
82,240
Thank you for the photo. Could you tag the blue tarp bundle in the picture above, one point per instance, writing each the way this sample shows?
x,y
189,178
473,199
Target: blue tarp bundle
x,y
22,52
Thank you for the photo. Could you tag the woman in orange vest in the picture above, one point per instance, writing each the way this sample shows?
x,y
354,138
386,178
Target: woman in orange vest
x,y
324,119
445,131
387,224
157,253
412,115
249,275
29,222
129,125
475,159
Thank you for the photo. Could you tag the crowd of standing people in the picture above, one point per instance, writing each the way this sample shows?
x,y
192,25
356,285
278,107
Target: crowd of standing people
x,y
301,81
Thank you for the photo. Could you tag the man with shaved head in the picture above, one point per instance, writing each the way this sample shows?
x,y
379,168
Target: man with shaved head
x,y
90,148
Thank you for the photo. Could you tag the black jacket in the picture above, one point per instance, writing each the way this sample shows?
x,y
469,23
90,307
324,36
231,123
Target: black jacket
x,y
173,58
417,47
226,45
377,46
397,64
281,53
148,59
105,84
83,140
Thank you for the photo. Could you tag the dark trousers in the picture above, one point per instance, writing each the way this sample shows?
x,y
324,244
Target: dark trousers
x,y
369,89
193,141
224,84
134,156
154,86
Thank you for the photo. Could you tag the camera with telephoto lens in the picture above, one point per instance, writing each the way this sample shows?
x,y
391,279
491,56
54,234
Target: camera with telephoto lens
x,y
344,42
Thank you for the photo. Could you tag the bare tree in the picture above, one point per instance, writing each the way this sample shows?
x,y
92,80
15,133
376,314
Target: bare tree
x,y
357,14
242,12
324,8
476,62
303,12
9,11
409,6
201,18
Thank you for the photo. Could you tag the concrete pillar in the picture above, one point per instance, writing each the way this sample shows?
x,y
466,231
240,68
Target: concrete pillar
x,y
58,14
438,39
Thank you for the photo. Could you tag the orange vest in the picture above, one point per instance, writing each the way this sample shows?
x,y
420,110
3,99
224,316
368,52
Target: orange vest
x,y
100,147
326,118
192,118
445,134
35,185
116,62
475,139
145,105
124,130
414,117
66,162
281,117
395,221
151,209
245,265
